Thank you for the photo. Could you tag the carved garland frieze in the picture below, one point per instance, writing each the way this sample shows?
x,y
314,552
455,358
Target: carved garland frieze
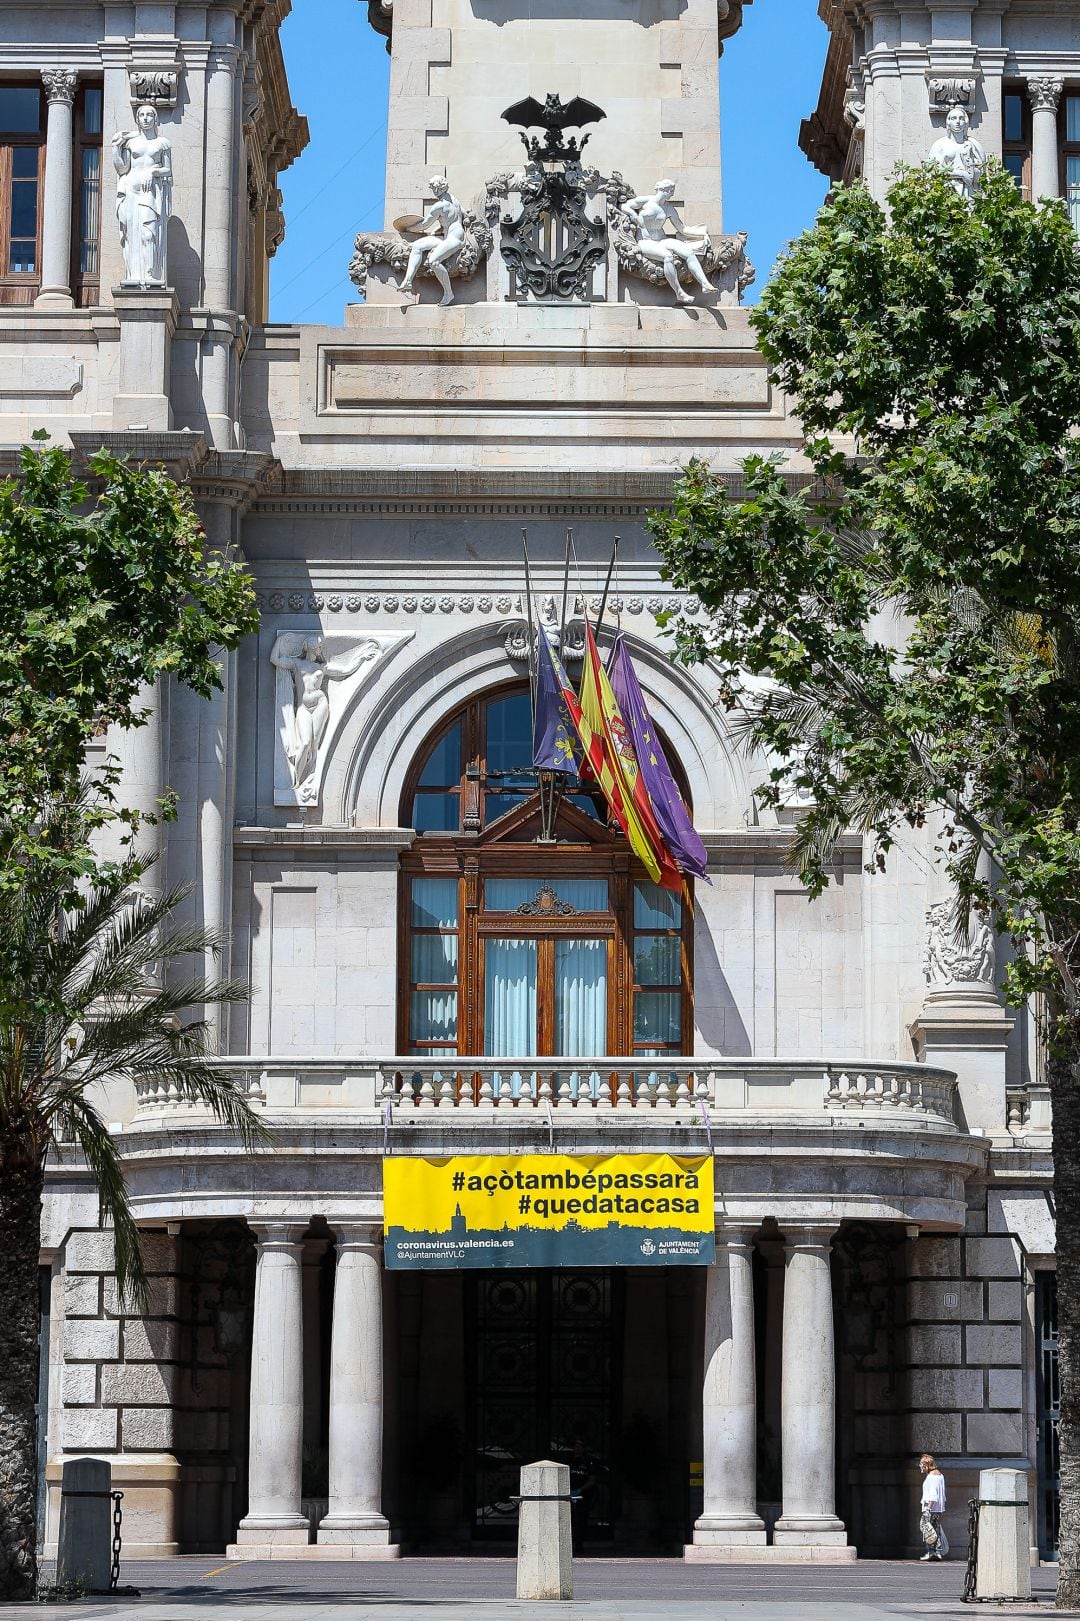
x,y
502,603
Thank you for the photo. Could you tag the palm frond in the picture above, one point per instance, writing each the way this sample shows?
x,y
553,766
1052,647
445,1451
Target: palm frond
x,y
103,1159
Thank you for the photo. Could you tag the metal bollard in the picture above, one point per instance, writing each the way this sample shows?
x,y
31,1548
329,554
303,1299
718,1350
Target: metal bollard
x,y
544,1568
84,1553
1003,1561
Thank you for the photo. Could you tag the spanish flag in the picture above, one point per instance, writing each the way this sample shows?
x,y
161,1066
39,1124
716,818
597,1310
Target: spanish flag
x,y
595,762
619,775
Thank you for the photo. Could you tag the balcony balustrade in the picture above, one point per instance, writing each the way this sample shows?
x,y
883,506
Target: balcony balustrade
x,y
642,1087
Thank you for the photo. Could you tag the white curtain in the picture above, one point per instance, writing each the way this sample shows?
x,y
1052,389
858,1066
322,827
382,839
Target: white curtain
x,y
510,998
580,998
581,1007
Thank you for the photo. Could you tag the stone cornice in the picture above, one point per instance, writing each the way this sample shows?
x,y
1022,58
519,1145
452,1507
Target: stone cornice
x,y
178,452
482,492
233,477
729,16
372,839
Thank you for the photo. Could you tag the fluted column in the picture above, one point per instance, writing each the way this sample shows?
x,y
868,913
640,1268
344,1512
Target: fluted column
x,y
275,1445
729,1397
356,1393
808,1405
59,86
1044,95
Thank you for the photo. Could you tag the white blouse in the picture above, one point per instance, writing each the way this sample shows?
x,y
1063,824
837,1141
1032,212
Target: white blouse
x,y
933,1492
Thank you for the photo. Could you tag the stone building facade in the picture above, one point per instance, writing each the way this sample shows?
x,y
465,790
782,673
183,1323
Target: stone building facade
x,y
356,810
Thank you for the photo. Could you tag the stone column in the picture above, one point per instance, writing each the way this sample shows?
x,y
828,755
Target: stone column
x,y
356,1403
56,219
1044,95
808,1414
275,1446
729,1398
141,753
215,318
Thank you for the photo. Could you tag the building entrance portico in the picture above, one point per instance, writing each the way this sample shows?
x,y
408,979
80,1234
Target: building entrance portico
x,y
393,1411
751,1408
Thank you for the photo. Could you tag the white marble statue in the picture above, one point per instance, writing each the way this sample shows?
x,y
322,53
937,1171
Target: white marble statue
x,y
651,215
959,153
142,159
303,671
432,251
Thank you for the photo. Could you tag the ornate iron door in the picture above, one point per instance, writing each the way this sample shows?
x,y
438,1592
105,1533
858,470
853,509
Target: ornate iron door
x,y
544,1370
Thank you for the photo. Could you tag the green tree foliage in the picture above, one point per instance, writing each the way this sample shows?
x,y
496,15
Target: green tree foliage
x,y
103,997
101,594
900,632
98,597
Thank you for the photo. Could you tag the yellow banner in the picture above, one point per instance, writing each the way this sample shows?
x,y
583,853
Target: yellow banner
x,y
548,1210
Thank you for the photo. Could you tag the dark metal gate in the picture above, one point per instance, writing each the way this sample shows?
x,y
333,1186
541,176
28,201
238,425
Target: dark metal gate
x,y
1048,1408
544,1372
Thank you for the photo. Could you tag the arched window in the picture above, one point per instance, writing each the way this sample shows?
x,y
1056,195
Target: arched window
x,y
513,946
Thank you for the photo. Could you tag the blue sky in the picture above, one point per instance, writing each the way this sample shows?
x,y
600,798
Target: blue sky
x,y
769,78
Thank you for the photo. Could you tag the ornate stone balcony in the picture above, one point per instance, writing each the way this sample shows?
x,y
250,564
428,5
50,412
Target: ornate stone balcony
x,y
644,1088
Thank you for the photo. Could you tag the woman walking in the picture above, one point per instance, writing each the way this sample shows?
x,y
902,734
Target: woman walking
x,y
931,1528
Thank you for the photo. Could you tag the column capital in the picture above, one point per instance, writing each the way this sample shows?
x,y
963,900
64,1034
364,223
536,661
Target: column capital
x,y
809,1235
357,1235
278,1234
734,1234
1044,92
60,84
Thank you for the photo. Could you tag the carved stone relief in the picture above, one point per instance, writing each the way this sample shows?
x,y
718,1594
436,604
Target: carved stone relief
x,y
317,678
949,961
954,92
151,88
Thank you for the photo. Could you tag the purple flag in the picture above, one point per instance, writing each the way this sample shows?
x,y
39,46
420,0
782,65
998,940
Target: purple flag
x,y
555,739
667,802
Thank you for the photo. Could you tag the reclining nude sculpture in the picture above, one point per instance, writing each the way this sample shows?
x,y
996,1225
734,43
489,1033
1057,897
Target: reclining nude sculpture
x,y
651,215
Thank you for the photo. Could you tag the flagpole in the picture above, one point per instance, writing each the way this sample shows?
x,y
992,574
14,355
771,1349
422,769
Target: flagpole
x,y
565,587
531,623
607,583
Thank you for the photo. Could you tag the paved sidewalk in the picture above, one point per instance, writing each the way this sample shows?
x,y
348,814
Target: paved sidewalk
x,y
604,1590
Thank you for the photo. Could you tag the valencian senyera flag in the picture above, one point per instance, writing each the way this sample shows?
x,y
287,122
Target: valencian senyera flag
x,y
620,769
667,802
595,761
556,743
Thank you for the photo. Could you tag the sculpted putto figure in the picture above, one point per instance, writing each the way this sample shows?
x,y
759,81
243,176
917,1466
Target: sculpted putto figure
x,y
142,159
304,659
445,214
959,153
651,215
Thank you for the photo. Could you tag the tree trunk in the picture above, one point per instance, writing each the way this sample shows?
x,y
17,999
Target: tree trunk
x,y
1065,1103
21,1182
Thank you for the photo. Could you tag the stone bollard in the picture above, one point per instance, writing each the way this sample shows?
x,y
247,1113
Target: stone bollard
x,y
1003,1570
84,1553
544,1569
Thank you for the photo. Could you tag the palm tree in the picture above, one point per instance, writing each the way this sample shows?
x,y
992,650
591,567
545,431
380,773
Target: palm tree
x,y
86,997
